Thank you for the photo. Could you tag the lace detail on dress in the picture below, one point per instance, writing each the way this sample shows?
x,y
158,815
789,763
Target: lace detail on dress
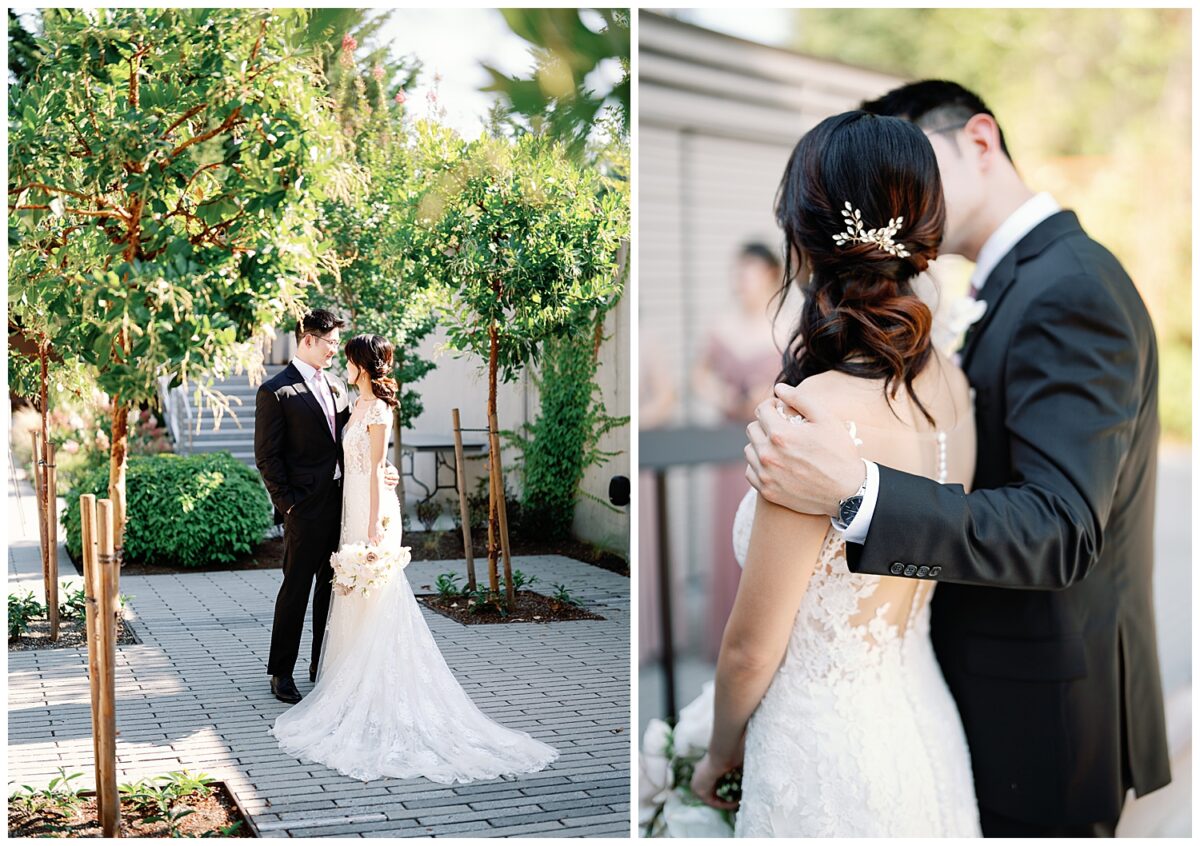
x,y
356,443
857,734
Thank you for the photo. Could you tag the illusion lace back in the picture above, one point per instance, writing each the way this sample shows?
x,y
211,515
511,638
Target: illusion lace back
x,y
386,704
858,734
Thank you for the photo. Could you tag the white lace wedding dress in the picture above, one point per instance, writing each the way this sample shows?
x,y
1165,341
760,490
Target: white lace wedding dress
x,y
385,703
857,734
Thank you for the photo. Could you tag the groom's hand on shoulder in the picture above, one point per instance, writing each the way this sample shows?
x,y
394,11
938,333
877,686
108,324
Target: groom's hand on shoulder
x,y
808,464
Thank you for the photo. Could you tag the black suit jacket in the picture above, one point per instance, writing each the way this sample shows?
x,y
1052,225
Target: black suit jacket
x,y
293,447
1044,619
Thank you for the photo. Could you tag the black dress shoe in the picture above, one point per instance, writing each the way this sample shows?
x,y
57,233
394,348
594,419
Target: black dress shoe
x,y
284,689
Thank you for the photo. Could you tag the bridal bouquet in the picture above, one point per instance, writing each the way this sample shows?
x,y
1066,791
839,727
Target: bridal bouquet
x,y
359,568
666,805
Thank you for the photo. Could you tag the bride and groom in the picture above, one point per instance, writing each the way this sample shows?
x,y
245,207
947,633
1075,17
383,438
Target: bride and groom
x,y
385,704
1018,479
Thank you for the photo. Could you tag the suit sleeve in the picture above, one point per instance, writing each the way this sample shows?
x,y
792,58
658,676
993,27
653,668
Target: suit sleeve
x,y
1073,382
269,449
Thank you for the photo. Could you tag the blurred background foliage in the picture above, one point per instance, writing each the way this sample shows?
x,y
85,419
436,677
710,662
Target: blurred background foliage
x,y
581,78
1096,108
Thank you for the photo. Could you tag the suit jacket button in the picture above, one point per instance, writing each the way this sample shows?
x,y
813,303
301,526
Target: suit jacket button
x,y
897,568
934,572
910,569
922,571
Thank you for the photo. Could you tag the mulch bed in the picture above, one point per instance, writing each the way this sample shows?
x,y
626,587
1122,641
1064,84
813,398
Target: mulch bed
x,y
426,546
212,813
439,546
72,634
530,607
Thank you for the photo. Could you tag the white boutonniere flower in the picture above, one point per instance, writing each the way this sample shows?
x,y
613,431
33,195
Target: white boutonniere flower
x,y
950,327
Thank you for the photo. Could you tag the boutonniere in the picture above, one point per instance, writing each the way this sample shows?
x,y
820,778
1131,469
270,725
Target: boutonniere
x,y
950,328
333,389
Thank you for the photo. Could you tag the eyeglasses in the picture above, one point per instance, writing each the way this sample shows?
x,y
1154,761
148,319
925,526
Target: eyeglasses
x,y
332,343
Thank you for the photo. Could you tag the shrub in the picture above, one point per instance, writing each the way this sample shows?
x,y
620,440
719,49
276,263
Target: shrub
x,y
190,511
477,505
564,441
428,512
22,609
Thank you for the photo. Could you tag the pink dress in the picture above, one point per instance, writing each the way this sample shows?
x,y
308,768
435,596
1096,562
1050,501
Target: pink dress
x,y
744,375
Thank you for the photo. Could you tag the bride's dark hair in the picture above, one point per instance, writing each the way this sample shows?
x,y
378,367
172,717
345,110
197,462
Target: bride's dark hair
x,y
373,355
860,315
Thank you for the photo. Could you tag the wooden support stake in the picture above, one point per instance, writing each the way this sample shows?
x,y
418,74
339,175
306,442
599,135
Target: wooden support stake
x,y
110,805
51,555
460,471
87,520
497,464
39,485
493,494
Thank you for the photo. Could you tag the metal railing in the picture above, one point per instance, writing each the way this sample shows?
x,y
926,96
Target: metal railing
x,y
177,411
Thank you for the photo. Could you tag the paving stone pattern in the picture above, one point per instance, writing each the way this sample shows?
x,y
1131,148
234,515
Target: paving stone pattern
x,y
195,694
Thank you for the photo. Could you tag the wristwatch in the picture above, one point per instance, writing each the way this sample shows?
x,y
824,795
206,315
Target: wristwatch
x,y
847,509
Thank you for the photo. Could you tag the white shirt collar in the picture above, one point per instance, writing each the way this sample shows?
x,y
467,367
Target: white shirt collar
x,y
1007,235
306,369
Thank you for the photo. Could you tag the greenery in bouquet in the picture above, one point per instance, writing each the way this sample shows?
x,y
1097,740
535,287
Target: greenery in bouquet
x,y
667,807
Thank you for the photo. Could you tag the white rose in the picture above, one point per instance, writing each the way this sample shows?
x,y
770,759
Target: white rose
x,y
654,774
949,329
695,725
684,820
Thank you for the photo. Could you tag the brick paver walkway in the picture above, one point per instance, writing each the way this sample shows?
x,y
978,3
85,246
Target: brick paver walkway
x,y
194,694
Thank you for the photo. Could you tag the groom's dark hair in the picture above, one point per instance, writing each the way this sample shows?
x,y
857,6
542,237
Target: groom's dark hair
x,y
934,104
317,321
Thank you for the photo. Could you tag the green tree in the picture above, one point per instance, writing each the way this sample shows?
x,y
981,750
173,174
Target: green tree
x,y
526,242
165,172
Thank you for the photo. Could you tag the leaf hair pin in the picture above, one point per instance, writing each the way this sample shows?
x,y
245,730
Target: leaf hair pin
x,y
881,238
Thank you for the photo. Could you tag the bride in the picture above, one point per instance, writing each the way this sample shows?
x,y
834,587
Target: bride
x,y
385,703
827,692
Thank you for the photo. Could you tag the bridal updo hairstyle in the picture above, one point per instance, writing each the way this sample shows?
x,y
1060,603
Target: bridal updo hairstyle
x,y
860,315
373,355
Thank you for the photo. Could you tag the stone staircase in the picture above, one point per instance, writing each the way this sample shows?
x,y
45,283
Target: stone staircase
x,y
234,436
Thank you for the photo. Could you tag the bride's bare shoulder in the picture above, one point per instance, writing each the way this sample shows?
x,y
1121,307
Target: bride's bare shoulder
x,y
839,393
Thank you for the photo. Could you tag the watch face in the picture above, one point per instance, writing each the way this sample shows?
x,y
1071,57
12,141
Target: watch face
x,y
849,509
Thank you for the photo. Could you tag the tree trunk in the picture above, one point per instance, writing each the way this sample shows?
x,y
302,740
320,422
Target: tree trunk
x,y
48,504
496,485
117,462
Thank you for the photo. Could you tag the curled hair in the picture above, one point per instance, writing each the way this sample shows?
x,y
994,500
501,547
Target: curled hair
x,y
860,314
373,355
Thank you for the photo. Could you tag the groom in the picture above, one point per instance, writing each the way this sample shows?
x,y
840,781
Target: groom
x,y
298,420
1043,620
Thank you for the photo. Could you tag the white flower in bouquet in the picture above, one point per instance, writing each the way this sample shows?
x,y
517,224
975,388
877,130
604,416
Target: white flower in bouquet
x,y
690,819
666,805
695,725
654,771
359,568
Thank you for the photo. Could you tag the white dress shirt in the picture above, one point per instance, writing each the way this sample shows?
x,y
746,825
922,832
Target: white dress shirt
x,y
1006,236
315,379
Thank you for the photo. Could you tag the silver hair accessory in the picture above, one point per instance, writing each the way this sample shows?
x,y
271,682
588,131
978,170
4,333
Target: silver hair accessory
x,y
882,237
